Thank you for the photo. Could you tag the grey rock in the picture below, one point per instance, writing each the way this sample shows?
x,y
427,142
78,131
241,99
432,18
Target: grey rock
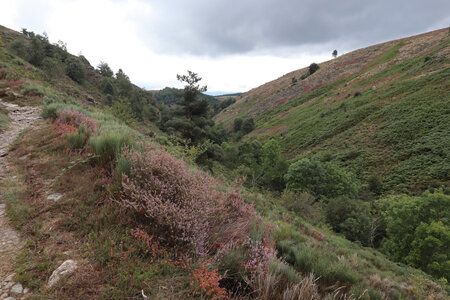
x,y
66,268
17,289
54,197
10,298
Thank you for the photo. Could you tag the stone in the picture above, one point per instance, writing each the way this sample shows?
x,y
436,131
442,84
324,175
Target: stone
x,y
26,290
54,197
10,298
66,268
17,289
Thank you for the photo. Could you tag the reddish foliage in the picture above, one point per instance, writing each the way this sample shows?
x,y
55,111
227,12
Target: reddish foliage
x,y
76,118
151,246
205,282
62,128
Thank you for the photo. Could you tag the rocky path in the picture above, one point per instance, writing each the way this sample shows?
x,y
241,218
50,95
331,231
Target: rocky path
x,y
10,240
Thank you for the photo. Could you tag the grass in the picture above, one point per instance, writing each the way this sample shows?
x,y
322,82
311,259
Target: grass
x,y
4,119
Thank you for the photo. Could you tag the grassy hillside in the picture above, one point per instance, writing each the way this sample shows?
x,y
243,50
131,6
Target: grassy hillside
x,y
137,214
379,110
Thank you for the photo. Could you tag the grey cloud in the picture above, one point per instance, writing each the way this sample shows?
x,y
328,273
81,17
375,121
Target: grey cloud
x,y
217,27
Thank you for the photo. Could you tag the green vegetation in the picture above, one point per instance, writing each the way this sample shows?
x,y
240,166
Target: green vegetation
x,y
141,210
423,241
75,70
4,119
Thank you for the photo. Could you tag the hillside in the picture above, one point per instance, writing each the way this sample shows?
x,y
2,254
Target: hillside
x,y
380,110
98,202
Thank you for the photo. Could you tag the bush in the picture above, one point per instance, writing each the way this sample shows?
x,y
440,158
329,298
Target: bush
x,y
52,68
75,69
76,119
20,47
183,206
320,179
49,112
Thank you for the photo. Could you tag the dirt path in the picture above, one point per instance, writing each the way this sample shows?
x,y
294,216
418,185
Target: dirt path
x,y
10,240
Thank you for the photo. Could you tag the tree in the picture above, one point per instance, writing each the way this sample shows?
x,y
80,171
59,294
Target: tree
x,y
418,231
75,69
320,179
248,125
274,165
123,83
190,115
313,68
335,53
191,91
237,124
36,52
104,69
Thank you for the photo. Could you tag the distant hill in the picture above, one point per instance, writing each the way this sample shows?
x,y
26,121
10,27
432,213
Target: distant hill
x,y
379,111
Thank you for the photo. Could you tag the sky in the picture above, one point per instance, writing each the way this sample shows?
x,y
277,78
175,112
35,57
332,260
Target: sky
x,y
234,45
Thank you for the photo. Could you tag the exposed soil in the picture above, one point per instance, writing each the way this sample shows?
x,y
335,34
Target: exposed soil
x,y
10,240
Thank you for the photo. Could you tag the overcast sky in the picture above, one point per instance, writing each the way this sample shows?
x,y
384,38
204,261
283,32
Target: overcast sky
x,y
234,45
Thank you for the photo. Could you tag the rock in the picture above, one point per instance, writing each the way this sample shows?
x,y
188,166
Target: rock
x,y
66,268
10,298
17,289
54,197
26,290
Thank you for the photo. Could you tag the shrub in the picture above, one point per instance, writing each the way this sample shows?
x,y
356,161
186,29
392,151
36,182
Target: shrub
x,y
20,47
76,119
49,112
53,68
75,69
320,179
184,206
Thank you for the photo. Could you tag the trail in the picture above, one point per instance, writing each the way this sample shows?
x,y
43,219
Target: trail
x,y
10,240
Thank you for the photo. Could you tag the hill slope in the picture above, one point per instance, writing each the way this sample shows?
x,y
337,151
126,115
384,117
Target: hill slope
x,y
379,110
66,193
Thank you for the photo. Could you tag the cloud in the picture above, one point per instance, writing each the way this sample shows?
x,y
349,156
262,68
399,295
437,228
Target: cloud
x,y
234,45
208,27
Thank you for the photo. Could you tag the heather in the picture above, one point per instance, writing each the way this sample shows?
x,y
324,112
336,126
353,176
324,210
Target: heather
x,y
181,204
